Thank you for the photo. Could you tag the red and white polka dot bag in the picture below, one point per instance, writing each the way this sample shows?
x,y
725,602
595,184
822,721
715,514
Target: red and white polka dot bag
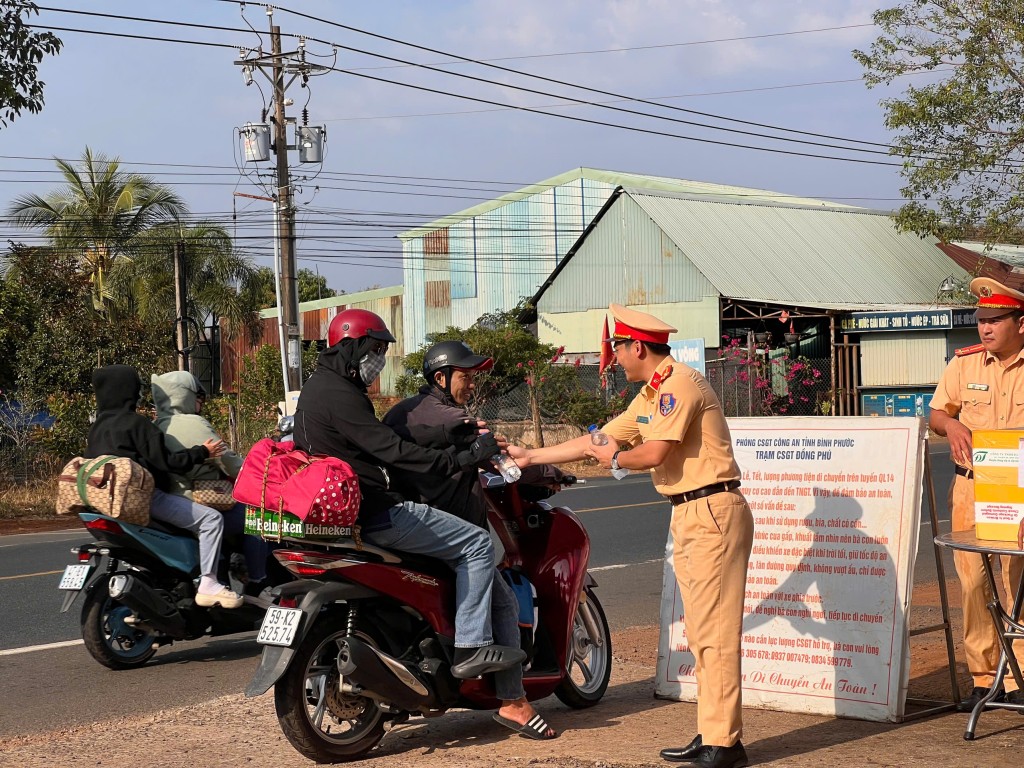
x,y
325,491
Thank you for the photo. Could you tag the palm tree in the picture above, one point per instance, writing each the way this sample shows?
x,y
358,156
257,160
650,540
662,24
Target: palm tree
x,y
219,278
101,215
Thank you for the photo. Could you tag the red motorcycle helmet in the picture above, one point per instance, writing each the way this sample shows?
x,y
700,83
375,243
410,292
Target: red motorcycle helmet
x,y
357,324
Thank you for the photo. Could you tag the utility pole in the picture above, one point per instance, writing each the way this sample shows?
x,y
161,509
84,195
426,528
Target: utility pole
x,y
282,68
289,298
180,305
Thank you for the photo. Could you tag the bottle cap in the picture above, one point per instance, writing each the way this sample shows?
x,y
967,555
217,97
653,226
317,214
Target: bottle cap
x,y
592,428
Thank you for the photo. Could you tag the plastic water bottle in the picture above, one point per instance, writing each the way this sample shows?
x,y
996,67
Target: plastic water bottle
x,y
597,437
507,466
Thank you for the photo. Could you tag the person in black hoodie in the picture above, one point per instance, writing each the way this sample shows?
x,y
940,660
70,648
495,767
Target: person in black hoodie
x,y
120,431
336,417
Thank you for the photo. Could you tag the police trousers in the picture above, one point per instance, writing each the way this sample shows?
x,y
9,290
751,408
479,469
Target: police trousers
x,y
712,538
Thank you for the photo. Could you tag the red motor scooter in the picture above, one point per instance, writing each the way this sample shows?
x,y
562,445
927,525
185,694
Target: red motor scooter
x,y
365,637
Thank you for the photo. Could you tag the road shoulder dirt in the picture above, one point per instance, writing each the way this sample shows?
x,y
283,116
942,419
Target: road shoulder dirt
x,y
627,728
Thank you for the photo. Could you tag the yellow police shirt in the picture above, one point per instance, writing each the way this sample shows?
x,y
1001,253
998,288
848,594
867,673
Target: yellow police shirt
x,y
981,392
678,405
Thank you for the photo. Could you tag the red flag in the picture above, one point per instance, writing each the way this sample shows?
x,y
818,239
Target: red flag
x,y
607,356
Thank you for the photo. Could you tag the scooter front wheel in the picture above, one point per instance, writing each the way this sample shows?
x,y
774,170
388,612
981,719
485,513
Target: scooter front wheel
x,y
589,666
318,717
108,637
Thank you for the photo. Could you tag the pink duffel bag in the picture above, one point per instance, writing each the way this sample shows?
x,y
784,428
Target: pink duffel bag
x,y
316,489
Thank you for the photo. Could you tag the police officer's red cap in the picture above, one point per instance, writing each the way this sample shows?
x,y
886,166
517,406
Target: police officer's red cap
x,y
994,298
634,325
357,324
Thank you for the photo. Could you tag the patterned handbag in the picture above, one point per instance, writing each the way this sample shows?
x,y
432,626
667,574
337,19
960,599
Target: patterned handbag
x,y
214,493
111,485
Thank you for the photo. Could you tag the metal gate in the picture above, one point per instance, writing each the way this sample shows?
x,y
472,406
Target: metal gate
x,y
845,378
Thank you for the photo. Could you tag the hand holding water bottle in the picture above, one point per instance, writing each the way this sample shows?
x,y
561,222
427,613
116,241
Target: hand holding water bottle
x,y
597,437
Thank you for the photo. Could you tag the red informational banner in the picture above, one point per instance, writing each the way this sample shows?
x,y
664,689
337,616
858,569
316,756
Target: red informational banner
x,y
837,508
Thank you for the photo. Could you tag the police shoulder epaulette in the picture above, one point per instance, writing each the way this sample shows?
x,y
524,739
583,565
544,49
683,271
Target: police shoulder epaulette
x,y
659,377
970,350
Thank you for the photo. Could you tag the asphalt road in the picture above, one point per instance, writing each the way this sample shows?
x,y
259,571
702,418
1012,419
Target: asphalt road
x,y
628,525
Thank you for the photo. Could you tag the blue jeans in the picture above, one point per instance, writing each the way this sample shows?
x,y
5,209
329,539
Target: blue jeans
x,y
465,548
254,549
205,523
508,684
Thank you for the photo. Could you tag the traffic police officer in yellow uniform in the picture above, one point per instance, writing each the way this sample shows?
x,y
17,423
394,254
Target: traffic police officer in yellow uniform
x,y
982,388
677,430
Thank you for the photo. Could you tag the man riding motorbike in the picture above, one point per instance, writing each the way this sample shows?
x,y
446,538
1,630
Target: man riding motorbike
x,y
429,419
336,417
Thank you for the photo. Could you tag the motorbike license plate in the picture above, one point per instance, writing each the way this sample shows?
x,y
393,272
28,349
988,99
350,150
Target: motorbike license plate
x,y
279,626
74,577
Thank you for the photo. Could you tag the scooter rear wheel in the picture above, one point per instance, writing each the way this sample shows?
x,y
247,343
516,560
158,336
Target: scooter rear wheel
x,y
109,640
589,666
319,720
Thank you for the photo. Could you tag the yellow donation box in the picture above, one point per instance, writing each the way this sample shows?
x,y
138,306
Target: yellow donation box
x,y
998,483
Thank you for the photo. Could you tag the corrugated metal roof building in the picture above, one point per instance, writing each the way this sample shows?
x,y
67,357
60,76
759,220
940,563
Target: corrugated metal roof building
x,y
315,317
655,248
711,267
489,257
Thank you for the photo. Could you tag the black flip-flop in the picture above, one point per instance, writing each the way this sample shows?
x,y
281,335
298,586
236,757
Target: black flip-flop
x,y
537,727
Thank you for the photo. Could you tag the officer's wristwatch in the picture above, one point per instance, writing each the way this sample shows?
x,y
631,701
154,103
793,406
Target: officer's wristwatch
x,y
615,460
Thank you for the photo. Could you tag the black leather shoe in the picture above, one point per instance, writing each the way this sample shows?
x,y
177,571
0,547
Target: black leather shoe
x,y
977,694
710,756
682,754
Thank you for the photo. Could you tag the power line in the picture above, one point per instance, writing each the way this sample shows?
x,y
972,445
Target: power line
x,y
618,96
556,81
131,36
629,48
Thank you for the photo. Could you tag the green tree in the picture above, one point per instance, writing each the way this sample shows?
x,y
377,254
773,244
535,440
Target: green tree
x,y
102,214
960,133
56,337
21,50
519,358
312,287
219,279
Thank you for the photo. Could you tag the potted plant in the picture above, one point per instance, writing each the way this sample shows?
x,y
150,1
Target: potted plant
x,y
762,337
792,337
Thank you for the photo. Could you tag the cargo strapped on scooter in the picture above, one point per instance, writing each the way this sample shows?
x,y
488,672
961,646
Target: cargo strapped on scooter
x,y
290,494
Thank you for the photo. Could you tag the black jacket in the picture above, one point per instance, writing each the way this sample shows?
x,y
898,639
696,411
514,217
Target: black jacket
x,y
120,431
335,417
428,419
423,419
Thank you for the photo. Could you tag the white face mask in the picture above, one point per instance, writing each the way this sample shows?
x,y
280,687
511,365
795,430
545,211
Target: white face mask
x,y
370,366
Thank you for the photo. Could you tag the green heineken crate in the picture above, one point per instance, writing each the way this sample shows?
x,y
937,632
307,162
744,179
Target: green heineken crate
x,y
275,526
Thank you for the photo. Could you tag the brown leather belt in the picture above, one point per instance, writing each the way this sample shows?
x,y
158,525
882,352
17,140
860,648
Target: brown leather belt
x,y
707,490
968,473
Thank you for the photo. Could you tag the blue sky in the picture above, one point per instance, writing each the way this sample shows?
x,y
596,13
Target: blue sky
x,y
152,103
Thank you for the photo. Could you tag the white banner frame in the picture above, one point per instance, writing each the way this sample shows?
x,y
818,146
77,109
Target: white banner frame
x,y
829,495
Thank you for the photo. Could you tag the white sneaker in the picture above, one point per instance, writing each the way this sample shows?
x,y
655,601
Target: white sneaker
x,y
224,597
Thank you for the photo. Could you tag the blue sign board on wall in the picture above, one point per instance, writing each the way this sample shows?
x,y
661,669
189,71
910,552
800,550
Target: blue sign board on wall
x,y
896,404
689,351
